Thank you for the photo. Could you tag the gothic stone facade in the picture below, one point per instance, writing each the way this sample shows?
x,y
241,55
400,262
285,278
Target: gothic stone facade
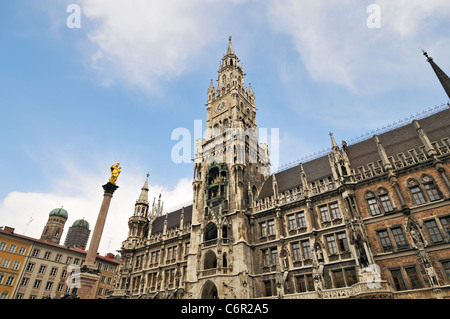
x,y
367,220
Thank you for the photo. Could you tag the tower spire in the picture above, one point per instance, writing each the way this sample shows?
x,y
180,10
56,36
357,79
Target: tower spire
x,y
230,50
143,197
443,78
333,142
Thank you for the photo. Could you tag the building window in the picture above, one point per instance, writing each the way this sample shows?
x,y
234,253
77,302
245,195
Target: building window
x,y
291,222
399,238
433,230
175,252
342,242
386,203
263,229
413,278
42,269
35,253
373,206
265,257
324,213
6,263
417,195
332,248
338,279
37,284
432,191
305,283
60,287
10,280
47,255
446,265
351,276
269,256
58,258
274,256
30,267
12,248
398,279
68,260
296,251
445,221
268,288
49,285
335,213
53,271
385,240
271,227
301,284
24,282
301,219
306,249
2,246
15,265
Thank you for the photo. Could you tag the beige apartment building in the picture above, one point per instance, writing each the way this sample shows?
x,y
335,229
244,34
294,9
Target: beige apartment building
x,y
33,268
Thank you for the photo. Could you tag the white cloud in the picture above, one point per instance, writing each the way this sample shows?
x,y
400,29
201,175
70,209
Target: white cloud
x,y
81,194
141,43
337,46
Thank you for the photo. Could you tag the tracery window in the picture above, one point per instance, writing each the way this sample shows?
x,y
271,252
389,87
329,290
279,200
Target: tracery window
x,y
378,202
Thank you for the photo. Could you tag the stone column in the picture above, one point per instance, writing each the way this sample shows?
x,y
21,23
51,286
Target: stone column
x,y
89,273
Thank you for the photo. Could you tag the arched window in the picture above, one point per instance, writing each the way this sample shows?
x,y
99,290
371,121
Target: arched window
x,y
224,261
431,188
416,191
210,232
385,201
210,260
372,204
379,202
225,231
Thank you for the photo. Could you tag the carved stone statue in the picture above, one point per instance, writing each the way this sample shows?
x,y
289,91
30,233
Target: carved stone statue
x,y
362,255
417,238
115,171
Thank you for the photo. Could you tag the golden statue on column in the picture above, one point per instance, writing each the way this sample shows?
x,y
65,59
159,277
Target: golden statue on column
x,y
115,171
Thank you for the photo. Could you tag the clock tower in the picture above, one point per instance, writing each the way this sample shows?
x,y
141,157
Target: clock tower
x,y
230,166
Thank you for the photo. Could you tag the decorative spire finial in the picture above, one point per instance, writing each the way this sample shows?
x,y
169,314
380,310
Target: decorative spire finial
x,y
230,46
333,142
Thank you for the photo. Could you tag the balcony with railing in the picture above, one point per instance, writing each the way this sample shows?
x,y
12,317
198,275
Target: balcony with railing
x,y
379,289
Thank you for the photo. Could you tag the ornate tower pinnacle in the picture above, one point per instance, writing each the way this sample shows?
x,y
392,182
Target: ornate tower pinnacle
x,y
443,78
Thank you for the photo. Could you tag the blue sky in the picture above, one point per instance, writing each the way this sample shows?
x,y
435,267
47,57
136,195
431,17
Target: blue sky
x,y
75,101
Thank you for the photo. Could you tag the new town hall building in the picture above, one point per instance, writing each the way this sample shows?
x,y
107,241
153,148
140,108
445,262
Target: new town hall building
x,y
366,220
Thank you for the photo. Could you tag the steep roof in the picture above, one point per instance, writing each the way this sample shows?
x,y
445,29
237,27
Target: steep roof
x,y
396,141
173,219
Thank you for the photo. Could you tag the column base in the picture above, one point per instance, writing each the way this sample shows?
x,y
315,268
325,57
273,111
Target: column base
x,y
88,283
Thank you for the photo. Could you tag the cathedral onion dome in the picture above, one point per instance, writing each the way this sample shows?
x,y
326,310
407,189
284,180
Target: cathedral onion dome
x,y
60,212
81,223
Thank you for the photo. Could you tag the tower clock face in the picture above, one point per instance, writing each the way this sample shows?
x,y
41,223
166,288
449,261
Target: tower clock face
x,y
221,106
